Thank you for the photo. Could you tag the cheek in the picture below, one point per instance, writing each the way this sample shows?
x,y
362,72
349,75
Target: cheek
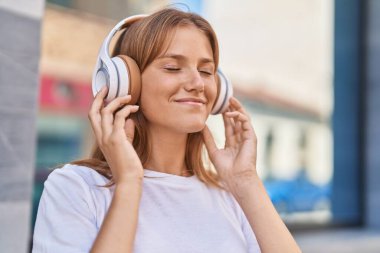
x,y
155,93
148,91
211,93
148,99
149,84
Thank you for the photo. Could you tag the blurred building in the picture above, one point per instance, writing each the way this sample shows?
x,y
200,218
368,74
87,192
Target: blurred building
x,y
280,59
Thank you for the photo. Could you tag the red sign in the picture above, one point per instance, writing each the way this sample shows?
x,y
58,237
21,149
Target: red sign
x,y
67,96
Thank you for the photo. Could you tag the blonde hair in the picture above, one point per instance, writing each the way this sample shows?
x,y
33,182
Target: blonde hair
x,y
143,41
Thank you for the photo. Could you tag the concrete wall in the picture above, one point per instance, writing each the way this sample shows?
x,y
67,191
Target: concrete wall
x,y
372,104
19,56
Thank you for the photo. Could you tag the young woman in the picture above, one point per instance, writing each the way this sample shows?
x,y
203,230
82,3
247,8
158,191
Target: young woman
x,y
146,189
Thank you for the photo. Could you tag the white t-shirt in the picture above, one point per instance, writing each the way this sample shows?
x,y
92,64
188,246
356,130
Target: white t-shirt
x,y
176,215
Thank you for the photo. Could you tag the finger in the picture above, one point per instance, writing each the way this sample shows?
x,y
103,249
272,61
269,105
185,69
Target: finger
x,y
245,123
244,119
236,115
94,112
236,124
237,105
121,116
130,129
108,111
100,96
238,131
228,130
118,102
209,141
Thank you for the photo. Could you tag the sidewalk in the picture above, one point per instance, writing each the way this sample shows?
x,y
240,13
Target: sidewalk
x,y
339,241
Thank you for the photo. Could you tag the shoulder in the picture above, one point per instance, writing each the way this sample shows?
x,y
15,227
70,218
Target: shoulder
x,y
70,212
75,174
77,183
79,189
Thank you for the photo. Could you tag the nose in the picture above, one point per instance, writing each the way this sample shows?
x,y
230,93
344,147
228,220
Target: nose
x,y
195,82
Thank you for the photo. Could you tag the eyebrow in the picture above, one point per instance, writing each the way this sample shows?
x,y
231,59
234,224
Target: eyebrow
x,y
182,58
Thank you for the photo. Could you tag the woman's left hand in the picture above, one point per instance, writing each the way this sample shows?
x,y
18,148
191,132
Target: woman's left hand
x,y
237,160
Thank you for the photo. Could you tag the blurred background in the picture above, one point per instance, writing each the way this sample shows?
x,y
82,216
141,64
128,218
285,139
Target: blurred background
x,y
304,69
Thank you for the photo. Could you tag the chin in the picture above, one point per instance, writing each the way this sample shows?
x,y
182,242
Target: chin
x,y
193,127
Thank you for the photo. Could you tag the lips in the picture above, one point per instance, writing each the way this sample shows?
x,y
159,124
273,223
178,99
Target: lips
x,y
191,100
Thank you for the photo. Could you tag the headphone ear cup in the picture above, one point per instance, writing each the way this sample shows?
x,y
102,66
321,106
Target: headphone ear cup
x,y
104,75
224,93
129,77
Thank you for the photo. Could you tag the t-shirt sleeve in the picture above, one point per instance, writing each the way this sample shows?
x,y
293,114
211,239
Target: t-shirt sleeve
x,y
65,219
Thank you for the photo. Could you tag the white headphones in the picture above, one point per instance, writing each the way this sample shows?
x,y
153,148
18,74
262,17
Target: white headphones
x,y
122,75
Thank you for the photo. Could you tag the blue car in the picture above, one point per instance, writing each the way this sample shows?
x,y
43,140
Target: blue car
x,y
298,195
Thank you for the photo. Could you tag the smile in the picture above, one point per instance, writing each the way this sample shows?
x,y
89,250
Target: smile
x,y
191,101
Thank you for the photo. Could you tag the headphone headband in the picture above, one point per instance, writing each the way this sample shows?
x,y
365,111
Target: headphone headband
x,y
105,46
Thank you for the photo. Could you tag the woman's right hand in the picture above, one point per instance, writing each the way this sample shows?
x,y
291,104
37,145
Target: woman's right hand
x,y
114,134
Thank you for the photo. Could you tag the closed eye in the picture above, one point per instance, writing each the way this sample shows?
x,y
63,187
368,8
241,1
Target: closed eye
x,y
173,69
206,72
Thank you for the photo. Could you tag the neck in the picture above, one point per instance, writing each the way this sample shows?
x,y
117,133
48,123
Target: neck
x,y
168,151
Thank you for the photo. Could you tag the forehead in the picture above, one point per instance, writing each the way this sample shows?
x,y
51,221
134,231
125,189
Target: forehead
x,y
187,40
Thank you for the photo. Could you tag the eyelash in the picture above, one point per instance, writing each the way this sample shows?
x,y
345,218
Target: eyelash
x,y
172,69
207,73
177,69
